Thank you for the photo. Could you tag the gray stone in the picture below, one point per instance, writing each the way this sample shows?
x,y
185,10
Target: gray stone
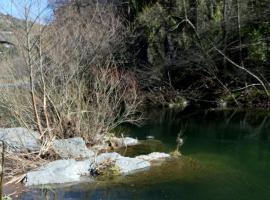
x,y
20,139
154,156
69,171
106,156
58,172
131,165
125,164
72,148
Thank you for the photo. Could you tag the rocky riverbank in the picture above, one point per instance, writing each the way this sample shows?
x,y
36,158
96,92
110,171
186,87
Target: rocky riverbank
x,y
75,161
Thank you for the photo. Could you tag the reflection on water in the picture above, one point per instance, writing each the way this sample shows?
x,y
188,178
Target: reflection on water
x,y
226,156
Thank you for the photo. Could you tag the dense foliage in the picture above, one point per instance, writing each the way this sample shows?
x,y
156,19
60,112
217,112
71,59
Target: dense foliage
x,y
200,47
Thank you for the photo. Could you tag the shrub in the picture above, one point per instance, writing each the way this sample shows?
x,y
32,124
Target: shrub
x,y
76,86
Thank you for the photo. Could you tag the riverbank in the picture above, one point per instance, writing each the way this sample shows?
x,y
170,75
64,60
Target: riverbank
x,y
69,161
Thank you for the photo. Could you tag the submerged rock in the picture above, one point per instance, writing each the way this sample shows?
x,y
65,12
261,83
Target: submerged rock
x,y
154,156
72,148
20,139
60,171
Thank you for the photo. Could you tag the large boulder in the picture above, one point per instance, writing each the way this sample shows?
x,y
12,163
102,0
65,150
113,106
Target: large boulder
x,y
72,148
60,171
20,139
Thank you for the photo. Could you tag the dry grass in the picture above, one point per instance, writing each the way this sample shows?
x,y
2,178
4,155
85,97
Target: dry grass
x,y
73,86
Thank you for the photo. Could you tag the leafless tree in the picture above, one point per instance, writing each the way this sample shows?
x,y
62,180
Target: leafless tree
x,y
76,85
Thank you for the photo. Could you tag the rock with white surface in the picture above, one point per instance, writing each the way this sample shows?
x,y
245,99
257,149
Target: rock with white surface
x,y
126,165
58,172
20,139
72,148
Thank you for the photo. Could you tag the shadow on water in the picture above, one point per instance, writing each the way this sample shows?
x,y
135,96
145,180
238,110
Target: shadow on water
x,y
226,156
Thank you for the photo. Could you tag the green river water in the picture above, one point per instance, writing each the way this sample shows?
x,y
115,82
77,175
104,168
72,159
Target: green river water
x,y
226,155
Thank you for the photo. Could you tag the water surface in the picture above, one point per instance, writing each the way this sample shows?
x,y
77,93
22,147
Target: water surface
x,y
226,155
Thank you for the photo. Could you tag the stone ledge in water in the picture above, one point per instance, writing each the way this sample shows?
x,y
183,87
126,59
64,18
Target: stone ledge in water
x,y
72,148
154,156
106,156
20,139
68,171
58,172
126,165
131,165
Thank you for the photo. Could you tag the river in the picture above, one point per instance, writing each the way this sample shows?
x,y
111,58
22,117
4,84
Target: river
x,y
226,155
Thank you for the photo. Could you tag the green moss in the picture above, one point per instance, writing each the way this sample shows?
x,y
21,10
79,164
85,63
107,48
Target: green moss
x,y
113,171
176,154
109,172
258,49
6,198
218,14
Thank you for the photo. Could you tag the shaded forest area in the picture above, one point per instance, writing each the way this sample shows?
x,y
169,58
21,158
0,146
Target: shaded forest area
x,y
205,50
197,50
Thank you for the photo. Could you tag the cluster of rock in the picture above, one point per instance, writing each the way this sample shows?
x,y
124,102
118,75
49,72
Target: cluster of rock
x,y
68,169
22,139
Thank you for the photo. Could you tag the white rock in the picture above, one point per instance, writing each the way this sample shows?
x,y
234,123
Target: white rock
x,y
154,156
60,171
68,171
72,148
131,165
20,139
107,156
125,164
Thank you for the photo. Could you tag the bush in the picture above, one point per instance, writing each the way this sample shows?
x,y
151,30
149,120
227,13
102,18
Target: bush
x,y
77,87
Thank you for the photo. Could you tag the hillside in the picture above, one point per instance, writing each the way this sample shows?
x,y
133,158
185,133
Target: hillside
x,y
7,25
7,40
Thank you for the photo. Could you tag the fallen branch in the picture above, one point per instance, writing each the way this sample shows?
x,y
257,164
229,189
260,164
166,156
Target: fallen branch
x,y
245,69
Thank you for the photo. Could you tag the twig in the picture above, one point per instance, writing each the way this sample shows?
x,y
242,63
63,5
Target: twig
x,y
2,169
